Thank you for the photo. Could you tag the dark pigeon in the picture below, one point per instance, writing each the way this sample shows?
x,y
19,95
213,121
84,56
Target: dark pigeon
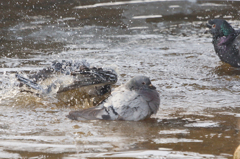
x,y
136,100
226,41
68,75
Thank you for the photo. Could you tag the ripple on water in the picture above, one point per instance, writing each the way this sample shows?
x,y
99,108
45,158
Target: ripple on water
x,y
164,40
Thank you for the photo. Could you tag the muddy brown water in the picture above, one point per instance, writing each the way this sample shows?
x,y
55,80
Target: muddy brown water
x,y
199,115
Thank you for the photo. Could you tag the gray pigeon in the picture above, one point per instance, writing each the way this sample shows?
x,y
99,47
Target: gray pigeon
x,y
136,100
68,75
226,41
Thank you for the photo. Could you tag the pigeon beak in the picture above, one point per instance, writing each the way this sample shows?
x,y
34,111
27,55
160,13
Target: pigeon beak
x,y
208,25
151,86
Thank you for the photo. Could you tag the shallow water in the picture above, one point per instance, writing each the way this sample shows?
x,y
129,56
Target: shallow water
x,y
199,114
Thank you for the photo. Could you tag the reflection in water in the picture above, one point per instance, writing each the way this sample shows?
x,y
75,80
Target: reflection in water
x,y
165,40
226,70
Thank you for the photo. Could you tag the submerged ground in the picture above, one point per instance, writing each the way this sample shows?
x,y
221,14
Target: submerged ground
x,y
165,40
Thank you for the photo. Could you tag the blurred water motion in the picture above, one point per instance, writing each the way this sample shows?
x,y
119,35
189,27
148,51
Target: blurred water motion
x,y
165,40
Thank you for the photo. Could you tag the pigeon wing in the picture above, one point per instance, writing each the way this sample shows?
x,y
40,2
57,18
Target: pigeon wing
x,y
29,82
236,46
129,105
153,99
68,75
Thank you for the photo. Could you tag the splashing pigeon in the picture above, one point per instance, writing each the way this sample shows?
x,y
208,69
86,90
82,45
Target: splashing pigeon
x,y
68,75
226,41
136,100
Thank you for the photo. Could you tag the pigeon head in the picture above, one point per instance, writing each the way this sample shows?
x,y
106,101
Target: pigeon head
x,y
139,83
220,28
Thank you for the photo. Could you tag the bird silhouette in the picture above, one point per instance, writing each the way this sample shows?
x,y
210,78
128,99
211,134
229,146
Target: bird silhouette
x,y
226,41
136,100
68,75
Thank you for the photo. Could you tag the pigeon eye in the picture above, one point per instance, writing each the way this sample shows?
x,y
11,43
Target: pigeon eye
x,y
214,26
143,83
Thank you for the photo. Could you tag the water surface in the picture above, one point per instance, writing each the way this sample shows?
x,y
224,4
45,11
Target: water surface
x,y
165,40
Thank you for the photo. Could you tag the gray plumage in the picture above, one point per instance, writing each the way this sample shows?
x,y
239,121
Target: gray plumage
x,y
67,75
226,41
136,100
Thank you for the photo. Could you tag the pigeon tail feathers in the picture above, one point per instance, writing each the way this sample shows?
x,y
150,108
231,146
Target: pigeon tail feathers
x,y
95,113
